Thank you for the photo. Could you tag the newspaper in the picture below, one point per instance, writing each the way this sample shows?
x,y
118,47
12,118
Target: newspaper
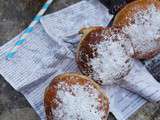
x,y
50,51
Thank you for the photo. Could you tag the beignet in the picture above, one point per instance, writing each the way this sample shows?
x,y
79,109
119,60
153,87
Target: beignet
x,y
140,20
104,54
75,97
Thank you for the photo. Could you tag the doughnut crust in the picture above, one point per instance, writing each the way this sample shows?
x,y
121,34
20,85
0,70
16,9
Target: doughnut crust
x,y
102,54
73,96
140,19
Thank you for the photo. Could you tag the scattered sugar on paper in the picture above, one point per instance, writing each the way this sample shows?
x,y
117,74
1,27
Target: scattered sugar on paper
x,y
144,31
77,103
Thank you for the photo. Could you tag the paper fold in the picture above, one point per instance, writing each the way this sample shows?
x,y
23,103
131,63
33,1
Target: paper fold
x,y
142,83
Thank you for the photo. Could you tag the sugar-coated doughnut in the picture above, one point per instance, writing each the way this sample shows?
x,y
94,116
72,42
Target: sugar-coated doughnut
x,y
104,54
73,96
140,20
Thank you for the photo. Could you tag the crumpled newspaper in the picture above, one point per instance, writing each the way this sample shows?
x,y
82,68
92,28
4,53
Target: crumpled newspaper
x,y
50,50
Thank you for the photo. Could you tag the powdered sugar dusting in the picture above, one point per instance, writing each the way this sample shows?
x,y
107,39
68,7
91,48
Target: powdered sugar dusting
x,y
112,61
144,31
77,102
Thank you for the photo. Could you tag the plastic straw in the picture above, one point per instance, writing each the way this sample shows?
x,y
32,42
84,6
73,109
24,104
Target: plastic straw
x,y
29,29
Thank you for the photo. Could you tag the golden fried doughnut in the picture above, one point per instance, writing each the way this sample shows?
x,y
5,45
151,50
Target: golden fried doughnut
x,y
75,97
140,20
103,54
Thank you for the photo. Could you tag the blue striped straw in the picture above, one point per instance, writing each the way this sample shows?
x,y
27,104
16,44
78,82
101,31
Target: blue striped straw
x,y
29,29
